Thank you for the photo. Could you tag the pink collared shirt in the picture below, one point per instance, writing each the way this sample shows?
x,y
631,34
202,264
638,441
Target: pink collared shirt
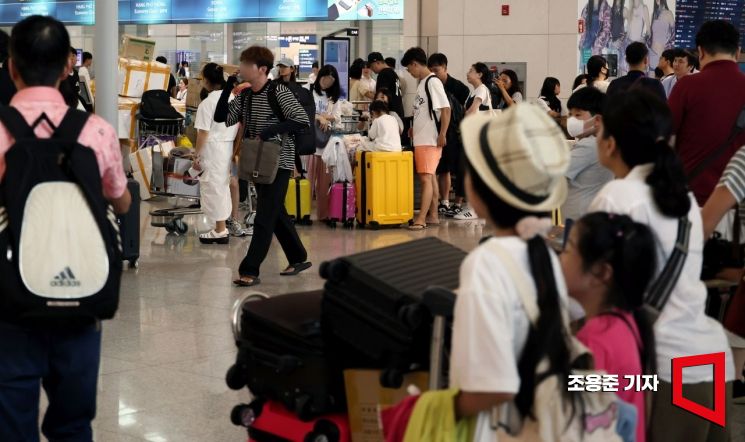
x,y
97,134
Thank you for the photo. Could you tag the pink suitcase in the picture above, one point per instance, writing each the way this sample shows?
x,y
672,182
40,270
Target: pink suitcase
x,y
342,202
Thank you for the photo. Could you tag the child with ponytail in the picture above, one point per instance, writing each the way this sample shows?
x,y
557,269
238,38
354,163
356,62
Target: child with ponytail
x,y
607,270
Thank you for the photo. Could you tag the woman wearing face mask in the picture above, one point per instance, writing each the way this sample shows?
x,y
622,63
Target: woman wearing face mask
x,y
326,93
597,74
586,176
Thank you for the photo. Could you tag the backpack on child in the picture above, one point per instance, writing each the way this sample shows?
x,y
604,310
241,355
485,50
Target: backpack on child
x,y
61,255
594,415
305,140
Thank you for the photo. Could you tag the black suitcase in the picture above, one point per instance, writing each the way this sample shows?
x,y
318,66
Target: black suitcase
x,y
283,356
129,226
373,302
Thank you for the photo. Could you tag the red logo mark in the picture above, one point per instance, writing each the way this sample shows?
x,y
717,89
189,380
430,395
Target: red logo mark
x,y
718,414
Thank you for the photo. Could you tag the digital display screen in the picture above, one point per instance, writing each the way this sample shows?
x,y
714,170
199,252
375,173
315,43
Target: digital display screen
x,y
691,14
82,12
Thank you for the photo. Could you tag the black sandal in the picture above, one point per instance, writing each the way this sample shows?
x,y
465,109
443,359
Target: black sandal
x,y
240,282
296,268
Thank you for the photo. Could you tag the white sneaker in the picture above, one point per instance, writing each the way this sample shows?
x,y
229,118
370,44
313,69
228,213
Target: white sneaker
x,y
465,214
213,237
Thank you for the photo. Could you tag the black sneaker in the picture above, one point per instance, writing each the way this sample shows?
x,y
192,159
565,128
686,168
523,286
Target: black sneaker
x,y
442,209
453,210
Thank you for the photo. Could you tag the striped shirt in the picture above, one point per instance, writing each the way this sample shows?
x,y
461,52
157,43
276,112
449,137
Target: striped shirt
x,y
734,175
260,116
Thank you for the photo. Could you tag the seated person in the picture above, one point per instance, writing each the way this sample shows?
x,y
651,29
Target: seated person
x,y
384,133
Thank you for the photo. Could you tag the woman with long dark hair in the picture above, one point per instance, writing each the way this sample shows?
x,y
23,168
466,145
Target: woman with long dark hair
x,y
597,74
634,143
597,17
495,350
509,89
663,31
326,93
480,98
549,97
605,264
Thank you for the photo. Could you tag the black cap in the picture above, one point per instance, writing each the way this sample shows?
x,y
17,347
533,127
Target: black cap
x,y
375,57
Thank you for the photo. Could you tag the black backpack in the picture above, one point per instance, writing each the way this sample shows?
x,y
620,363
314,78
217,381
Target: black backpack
x,y
156,104
305,140
457,113
61,258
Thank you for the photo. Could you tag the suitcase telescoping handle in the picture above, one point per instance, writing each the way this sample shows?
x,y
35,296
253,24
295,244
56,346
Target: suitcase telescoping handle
x,y
440,302
237,311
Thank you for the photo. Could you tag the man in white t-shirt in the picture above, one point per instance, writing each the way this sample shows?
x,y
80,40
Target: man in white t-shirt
x,y
429,132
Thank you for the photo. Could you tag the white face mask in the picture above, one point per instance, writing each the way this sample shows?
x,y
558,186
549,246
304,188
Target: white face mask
x,y
575,126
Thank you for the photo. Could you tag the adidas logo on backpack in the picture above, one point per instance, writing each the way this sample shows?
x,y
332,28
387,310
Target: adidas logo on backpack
x,y
65,279
54,218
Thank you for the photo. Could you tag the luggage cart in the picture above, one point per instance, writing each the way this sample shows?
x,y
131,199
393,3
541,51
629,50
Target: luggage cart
x,y
151,133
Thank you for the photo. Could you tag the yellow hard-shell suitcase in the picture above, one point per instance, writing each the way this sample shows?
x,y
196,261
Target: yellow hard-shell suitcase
x,y
298,200
385,188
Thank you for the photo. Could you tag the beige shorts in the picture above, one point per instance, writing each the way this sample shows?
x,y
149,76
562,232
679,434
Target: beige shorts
x,y
427,158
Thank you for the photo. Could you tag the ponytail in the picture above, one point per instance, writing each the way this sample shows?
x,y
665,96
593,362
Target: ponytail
x,y
641,124
215,75
669,182
548,339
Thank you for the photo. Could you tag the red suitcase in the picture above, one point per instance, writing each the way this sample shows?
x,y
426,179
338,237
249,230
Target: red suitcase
x,y
342,203
271,421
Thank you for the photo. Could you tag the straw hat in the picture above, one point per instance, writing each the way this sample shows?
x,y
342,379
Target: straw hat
x,y
520,154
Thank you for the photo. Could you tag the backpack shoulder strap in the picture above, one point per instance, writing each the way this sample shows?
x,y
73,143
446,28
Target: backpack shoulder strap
x,y
432,113
522,284
271,95
72,125
15,123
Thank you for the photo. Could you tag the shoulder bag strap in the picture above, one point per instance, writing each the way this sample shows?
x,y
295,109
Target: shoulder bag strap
x,y
660,290
15,124
522,285
737,128
432,113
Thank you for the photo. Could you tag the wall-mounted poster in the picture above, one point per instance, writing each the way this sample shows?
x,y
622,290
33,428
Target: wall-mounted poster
x,y
608,26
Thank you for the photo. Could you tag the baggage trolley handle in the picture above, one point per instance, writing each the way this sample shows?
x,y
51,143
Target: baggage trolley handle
x,y
235,315
440,302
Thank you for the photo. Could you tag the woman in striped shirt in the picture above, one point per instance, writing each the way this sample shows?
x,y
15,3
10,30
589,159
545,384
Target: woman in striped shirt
x,y
252,107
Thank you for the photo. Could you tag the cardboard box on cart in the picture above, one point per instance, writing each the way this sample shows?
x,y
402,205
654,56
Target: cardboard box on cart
x,y
366,398
137,48
136,77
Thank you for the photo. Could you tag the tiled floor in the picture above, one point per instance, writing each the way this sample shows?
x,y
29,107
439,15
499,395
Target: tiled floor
x,y
166,353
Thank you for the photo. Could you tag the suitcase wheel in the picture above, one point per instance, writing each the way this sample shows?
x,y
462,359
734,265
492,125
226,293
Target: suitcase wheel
x,y
331,223
335,271
235,378
177,226
374,225
392,378
349,224
244,415
324,431
412,316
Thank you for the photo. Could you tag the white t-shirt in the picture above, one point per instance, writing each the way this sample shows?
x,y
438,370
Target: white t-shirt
x,y
325,106
385,134
481,92
425,129
683,328
490,326
205,119
601,85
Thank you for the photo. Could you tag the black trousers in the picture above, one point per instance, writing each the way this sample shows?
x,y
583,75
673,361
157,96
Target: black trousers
x,y
242,190
272,219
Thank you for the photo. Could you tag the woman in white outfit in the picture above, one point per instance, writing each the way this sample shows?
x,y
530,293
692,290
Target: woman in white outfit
x,y
214,155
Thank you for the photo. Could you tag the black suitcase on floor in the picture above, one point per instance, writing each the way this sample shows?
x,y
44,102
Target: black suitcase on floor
x,y
129,226
283,356
372,302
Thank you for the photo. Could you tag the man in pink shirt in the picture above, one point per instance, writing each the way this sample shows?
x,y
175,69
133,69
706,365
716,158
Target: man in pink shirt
x,y
62,356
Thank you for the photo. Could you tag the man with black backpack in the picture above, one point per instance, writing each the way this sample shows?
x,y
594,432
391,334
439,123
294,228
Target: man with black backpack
x,y
457,93
58,279
429,133
273,122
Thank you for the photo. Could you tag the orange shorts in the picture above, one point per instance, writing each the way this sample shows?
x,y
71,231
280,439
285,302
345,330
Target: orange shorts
x,y
427,158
